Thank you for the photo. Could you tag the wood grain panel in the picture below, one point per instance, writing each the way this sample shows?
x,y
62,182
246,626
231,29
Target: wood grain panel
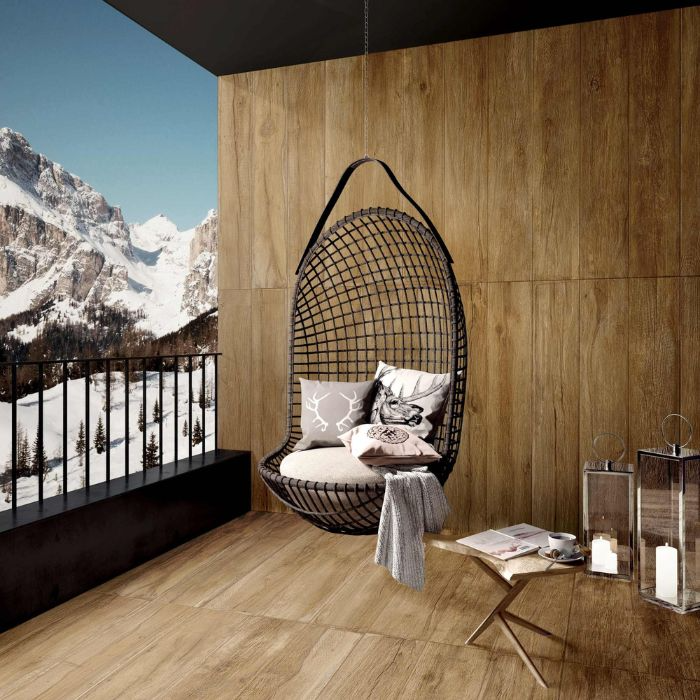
x,y
377,667
509,411
385,126
235,178
654,356
268,406
509,157
343,134
102,645
555,444
423,162
690,141
466,163
524,149
269,180
604,180
654,144
690,357
235,381
603,361
588,682
555,152
304,101
467,487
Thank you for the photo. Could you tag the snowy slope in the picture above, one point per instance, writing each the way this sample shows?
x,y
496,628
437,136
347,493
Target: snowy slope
x,y
157,272
53,405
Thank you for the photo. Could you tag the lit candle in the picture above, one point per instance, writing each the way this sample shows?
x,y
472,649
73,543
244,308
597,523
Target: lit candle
x,y
600,551
667,573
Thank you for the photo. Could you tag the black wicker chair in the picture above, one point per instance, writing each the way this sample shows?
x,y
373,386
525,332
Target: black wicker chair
x,y
377,285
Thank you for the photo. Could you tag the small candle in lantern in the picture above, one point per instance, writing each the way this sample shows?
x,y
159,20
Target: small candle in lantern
x,y
600,551
611,564
667,573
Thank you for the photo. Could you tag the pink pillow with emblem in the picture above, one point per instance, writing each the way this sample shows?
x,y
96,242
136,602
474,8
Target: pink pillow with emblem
x,y
385,445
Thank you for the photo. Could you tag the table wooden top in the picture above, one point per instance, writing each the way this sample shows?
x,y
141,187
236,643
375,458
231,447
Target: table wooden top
x,y
517,569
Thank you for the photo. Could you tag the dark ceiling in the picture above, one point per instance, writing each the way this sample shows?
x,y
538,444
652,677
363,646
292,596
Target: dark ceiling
x,y
233,36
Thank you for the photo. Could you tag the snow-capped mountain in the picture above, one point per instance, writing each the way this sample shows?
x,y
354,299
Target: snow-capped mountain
x,y
64,248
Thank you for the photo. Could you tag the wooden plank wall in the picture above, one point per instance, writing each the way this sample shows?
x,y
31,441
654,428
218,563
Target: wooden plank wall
x,y
562,167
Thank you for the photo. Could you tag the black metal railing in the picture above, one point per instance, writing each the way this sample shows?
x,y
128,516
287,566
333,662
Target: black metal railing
x,y
47,374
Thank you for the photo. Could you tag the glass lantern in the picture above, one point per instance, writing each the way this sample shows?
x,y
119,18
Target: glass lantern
x,y
668,521
608,514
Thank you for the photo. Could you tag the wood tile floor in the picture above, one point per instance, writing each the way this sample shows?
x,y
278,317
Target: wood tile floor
x,y
268,606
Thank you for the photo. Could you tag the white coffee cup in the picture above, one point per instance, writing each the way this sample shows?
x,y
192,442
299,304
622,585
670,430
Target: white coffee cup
x,y
562,541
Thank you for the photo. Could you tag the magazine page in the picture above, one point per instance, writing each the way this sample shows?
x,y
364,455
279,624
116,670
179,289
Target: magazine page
x,y
498,545
528,533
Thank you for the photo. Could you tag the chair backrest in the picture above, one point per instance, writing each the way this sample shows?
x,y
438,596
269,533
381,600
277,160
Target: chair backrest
x,y
378,285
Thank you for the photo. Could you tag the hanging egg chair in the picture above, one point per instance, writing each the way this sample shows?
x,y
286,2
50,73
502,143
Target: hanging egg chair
x,y
377,285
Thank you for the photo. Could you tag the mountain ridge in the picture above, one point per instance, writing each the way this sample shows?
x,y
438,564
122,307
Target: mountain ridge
x,y
64,247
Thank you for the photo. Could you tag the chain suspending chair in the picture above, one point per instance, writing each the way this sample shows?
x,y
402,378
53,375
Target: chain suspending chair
x,y
377,285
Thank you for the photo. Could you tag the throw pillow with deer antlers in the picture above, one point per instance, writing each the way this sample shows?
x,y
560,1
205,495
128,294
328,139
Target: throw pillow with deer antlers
x,y
329,409
412,399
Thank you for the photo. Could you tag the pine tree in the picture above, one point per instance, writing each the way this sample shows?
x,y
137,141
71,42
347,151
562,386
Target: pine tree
x,y
23,454
40,464
151,458
156,412
6,481
99,441
139,422
196,433
80,443
185,430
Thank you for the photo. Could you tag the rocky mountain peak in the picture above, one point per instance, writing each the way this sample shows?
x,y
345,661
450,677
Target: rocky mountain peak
x,y
61,240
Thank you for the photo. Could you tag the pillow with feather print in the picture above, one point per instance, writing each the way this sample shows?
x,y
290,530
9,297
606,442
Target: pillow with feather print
x,y
329,409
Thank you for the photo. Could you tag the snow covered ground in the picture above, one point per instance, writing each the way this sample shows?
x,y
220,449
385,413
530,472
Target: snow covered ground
x,y
27,418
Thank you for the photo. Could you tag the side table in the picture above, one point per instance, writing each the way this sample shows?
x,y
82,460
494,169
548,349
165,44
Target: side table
x,y
512,576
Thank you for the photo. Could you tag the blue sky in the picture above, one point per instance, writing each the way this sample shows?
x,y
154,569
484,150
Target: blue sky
x,y
113,104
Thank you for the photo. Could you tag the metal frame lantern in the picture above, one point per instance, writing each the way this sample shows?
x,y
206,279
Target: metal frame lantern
x,y
668,523
608,514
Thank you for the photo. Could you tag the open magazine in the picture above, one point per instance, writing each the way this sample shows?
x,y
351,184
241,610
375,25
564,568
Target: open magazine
x,y
508,542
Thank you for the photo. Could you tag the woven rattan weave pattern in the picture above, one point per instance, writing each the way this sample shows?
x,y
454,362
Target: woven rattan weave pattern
x,y
377,285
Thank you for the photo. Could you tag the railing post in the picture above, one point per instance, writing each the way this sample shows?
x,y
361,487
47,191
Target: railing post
x,y
41,465
145,414
126,418
175,416
204,401
65,428
14,437
87,424
108,411
161,412
189,403
216,403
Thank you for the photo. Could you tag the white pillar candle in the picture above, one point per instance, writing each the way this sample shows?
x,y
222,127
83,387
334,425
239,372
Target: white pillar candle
x,y
667,572
600,551
611,564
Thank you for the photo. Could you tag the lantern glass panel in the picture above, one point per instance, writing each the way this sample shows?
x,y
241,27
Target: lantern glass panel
x,y
608,514
669,528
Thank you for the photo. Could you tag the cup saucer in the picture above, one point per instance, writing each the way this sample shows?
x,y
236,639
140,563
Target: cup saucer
x,y
575,557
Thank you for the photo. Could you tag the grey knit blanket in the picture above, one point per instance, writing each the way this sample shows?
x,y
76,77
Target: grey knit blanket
x,y
414,503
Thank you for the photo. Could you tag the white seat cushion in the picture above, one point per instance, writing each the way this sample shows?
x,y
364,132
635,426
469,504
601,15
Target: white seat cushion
x,y
333,465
